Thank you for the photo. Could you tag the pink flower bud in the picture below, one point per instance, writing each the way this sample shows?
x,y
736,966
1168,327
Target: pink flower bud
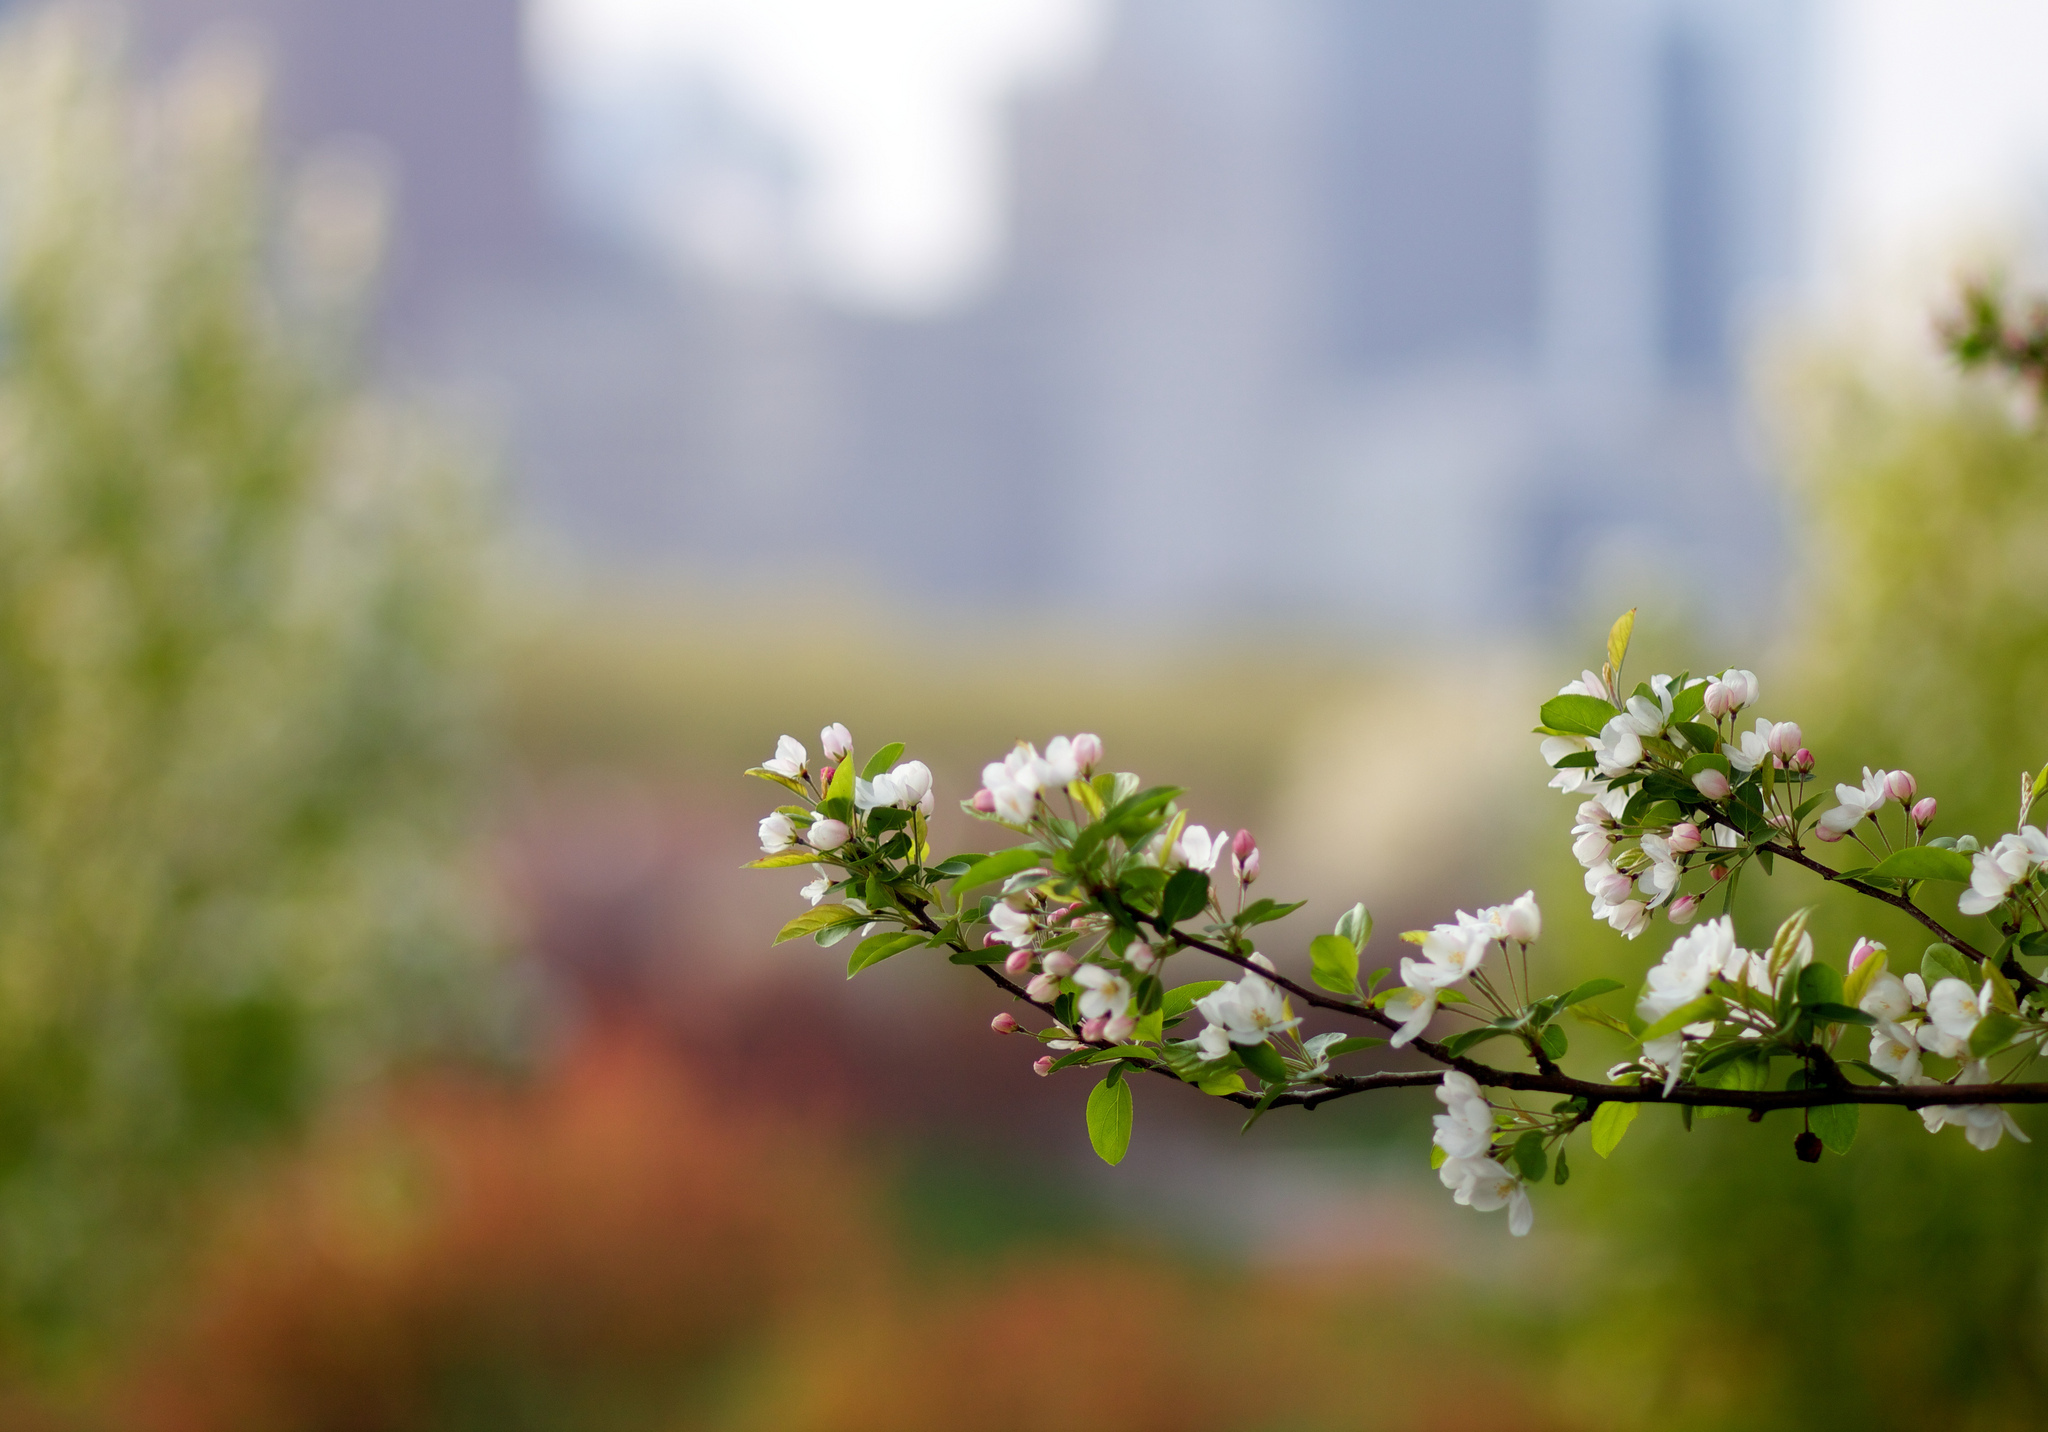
x,y
1684,908
985,801
1091,1029
1005,1023
1043,989
1144,959
1822,833
1019,961
836,740
1242,845
1802,761
827,834
1720,873
1119,1028
1042,1066
1900,786
1684,838
1059,964
825,776
1712,784
1720,700
1060,915
1087,750
1784,740
1863,950
1923,812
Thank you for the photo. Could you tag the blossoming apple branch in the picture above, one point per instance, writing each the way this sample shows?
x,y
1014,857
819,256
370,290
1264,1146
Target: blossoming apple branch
x,y
1080,925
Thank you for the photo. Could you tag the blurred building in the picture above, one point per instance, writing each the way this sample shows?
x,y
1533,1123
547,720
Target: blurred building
x,y
1371,311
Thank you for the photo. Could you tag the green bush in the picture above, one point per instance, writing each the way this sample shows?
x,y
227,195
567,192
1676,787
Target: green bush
x,y
236,669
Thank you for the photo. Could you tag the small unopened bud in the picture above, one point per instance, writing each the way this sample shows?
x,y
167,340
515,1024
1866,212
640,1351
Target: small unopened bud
x,y
1119,1028
827,834
825,776
1861,951
1901,786
836,740
1005,1023
1043,989
1720,699
1923,812
1802,761
1242,845
1712,784
1059,964
1823,833
993,938
1784,740
1019,962
1144,959
1091,1029
1720,873
1808,1147
1087,749
1248,868
985,801
1042,1066
1610,885
1684,838
1059,916
1684,908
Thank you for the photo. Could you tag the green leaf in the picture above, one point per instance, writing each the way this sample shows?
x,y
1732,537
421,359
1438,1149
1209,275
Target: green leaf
x,y
1261,912
1836,1125
1993,1032
1577,715
1109,1119
1610,1123
1351,1045
1945,962
1466,1039
1554,1042
1185,895
1617,639
825,917
1564,1172
1923,862
1263,1060
786,782
878,947
1591,989
1228,1082
787,858
1000,866
1827,1013
1181,998
881,761
1529,1157
1820,984
1333,963
1355,925
841,788
1706,1007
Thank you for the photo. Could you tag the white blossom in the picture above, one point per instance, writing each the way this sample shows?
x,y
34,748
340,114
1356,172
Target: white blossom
x,y
1250,1011
1954,1008
1465,1131
1630,917
827,834
789,758
1213,1041
835,741
1982,1124
1856,802
1103,991
1750,749
1588,684
1569,779
1198,850
1729,692
1013,926
1894,1051
778,833
1414,1008
1681,977
1886,998
1484,1185
1520,920
1994,872
1661,877
1619,747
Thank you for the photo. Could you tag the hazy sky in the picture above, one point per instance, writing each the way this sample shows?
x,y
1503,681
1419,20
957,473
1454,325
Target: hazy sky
x,y
893,107
1930,119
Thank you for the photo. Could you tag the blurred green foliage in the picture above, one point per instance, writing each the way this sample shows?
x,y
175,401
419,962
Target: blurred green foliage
x,y
1908,1283
235,632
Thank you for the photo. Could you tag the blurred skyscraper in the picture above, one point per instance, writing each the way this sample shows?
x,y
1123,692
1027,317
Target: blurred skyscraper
x,y
1371,310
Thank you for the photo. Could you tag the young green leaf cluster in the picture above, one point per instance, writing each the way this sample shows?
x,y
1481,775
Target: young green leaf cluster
x,y
1084,920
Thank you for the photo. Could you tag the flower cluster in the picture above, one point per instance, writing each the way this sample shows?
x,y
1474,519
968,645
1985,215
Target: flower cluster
x,y
1681,788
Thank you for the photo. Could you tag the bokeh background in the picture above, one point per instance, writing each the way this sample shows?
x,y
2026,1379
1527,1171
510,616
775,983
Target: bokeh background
x,y
441,444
